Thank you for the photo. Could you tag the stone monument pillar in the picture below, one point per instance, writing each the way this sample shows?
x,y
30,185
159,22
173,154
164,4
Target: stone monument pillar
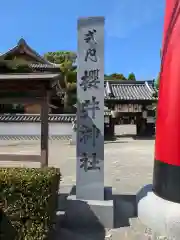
x,y
89,205
90,109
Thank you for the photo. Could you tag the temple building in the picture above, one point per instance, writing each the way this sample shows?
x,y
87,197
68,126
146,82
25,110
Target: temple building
x,y
129,99
33,63
132,102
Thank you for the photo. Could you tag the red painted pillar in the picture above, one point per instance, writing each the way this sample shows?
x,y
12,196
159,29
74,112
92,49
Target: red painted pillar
x,y
166,182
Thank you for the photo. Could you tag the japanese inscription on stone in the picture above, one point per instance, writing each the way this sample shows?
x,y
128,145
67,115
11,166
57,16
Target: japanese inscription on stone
x,y
90,109
88,163
89,105
90,79
87,133
91,41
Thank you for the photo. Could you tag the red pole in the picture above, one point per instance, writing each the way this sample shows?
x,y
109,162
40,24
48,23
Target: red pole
x,y
166,181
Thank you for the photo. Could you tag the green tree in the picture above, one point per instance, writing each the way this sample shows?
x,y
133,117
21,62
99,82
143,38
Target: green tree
x,y
156,85
158,79
60,57
70,83
157,82
115,76
67,64
131,77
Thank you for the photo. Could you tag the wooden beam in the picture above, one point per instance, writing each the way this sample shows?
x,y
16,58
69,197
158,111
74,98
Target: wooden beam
x,y
44,129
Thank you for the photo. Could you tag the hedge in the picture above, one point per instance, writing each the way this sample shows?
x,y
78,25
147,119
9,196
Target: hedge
x,y
28,201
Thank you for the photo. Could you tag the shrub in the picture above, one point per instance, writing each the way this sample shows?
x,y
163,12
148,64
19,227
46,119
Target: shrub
x,y
28,200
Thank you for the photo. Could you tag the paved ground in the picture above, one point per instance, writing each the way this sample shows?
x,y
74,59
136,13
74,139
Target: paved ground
x,y
128,166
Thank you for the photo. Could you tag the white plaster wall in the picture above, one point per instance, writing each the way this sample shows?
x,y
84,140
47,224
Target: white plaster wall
x,y
24,129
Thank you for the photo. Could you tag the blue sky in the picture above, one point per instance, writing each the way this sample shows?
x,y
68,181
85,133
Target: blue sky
x,y
133,30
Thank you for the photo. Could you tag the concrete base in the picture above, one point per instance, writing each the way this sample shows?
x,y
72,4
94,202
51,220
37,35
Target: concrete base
x,y
162,216
88,213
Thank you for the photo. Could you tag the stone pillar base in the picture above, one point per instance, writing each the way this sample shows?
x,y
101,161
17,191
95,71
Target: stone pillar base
x,y
162,216
86,213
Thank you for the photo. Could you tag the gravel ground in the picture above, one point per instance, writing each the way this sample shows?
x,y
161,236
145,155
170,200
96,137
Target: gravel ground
x,y
128,167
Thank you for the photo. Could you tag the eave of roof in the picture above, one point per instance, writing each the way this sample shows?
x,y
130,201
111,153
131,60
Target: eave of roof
x,y
27,49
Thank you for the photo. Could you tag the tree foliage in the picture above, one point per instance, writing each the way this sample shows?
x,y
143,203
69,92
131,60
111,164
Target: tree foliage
x,y
115,76
157,82
66,61
131,77
158,79
156,86
60,57
67,65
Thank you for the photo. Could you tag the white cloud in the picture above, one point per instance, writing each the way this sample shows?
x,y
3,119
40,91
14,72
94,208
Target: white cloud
x,y
126,16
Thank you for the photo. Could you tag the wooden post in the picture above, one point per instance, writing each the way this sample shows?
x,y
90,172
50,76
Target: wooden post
x,y
44,129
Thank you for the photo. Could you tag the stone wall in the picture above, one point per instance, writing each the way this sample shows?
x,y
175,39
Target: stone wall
x,y
34,129
29,125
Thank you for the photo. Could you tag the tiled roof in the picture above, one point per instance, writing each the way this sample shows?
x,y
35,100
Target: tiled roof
x,y
22,44
36,117
129,90
64,118
29,76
